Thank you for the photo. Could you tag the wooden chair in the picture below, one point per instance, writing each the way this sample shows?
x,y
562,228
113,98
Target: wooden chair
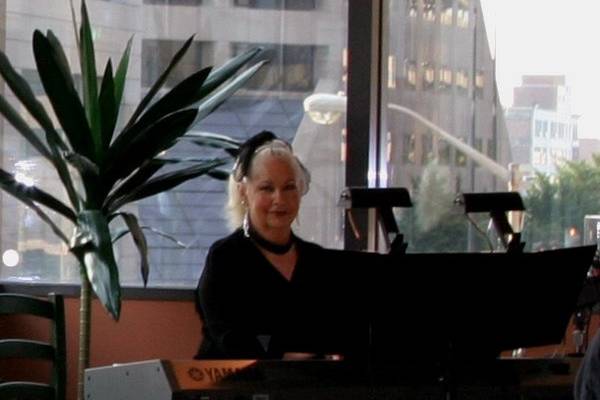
x,y
22,348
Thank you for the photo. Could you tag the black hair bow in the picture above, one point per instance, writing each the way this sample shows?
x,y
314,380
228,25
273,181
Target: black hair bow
x,y
246,152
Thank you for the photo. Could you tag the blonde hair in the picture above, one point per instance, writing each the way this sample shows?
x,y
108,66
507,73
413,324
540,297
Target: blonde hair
x,y
235,209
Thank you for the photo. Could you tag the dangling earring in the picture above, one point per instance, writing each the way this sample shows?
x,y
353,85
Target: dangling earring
x,y
246,224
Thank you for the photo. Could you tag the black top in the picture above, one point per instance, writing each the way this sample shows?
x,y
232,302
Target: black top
x,y
250,310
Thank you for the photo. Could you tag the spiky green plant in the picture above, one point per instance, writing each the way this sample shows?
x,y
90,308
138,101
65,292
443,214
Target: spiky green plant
x,y
113,168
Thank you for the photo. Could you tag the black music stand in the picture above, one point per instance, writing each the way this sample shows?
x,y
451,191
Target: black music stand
x,y
498,204
383,200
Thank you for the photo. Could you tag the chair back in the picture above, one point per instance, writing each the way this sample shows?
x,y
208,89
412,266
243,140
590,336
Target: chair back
x,y
24,348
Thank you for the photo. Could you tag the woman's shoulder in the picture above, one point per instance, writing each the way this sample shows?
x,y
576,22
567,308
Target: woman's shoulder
x,y
226,253
231,242
305,245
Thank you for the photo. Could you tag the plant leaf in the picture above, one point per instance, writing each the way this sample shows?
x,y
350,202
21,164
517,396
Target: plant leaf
x,y
90,177
53,155
109,109
182,160
84,165
211,137
121,74
89,78
206,139
219,174
74,19
9,185
44,217
135,180
80,239
172,179
60,163
159,82
182,95
30,194
122,161
22,90
173,239
165,235
214,101
165,182
58,83
20,125
99,259
120,233
140,242
191,90
227,70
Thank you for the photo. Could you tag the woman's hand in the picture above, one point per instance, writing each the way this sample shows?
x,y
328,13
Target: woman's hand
x,y
299,356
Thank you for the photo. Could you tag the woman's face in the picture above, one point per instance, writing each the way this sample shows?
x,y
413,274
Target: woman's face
x,y
272,194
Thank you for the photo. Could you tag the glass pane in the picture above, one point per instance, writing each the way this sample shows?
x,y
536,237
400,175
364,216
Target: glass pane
x,y
304,41
445,132
504,105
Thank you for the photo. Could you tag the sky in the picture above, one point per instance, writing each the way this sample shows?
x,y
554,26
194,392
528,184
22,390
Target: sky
x,y
549,37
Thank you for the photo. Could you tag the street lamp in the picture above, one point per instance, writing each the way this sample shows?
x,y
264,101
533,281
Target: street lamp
x,y
324,108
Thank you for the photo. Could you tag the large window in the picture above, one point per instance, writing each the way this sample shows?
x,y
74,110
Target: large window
x,y
470,70
189,218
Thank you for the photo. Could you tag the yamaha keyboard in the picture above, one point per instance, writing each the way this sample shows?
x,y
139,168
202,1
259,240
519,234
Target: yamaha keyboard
x,y
328,380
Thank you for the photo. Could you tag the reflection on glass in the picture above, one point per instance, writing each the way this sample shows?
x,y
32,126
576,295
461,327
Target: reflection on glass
x,y
426,120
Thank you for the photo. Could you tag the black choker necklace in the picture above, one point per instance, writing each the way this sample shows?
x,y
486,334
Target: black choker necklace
x,y
270,246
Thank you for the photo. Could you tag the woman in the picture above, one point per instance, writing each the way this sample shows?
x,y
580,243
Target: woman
x,y
264,292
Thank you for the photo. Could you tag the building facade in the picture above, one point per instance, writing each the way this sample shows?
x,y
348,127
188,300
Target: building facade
x,y
443,71
542,128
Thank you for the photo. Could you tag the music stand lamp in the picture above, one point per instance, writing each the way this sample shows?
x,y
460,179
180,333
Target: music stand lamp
x,y
498,204
383,200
